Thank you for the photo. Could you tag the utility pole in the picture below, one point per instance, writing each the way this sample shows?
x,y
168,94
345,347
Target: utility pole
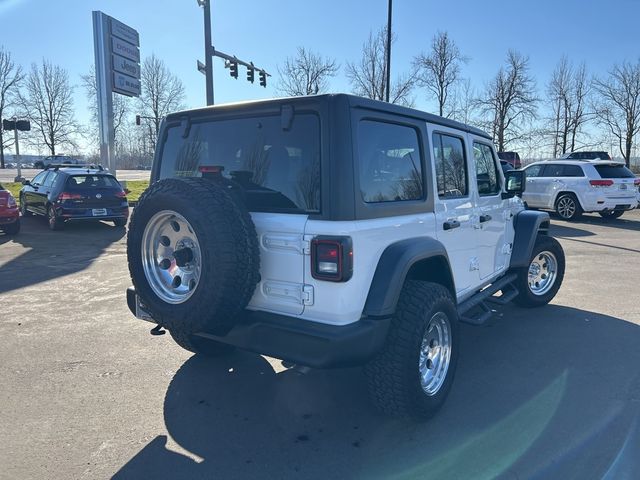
x,y
389,49
208,60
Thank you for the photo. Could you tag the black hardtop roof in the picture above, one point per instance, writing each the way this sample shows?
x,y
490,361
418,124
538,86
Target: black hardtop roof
x,y
354,101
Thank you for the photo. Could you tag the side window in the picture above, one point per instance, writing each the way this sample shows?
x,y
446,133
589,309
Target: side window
x,y
553,170
572,171
533,171
451,166
486,170
50,179
39,178
390,162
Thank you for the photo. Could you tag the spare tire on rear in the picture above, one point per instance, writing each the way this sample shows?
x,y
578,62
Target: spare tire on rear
x,y
193,255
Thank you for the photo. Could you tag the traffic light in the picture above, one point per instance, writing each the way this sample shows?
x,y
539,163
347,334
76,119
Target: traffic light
x,y
233,69
250,75
263,79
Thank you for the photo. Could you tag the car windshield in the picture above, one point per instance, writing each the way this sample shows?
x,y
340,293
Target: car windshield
x,y
614,171
91,181
279,168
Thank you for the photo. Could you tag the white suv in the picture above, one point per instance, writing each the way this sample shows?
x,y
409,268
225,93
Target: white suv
x,y
572,187
335,230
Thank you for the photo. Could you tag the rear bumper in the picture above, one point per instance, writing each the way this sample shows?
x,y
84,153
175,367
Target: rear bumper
x,y
7,218
301,341
600,203
86,214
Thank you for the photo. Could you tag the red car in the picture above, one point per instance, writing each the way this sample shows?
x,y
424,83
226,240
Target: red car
x,y
9,213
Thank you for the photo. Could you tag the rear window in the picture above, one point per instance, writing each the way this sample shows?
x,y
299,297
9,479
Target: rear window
x,y
277,165
91,181
614,171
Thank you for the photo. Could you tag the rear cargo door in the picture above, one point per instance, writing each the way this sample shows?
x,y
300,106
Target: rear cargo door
x,y
282,254
623,191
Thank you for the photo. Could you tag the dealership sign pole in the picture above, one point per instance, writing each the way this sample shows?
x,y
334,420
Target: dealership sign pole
x,y
117,57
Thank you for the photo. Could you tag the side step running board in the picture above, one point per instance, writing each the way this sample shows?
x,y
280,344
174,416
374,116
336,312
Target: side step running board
x,y
475,309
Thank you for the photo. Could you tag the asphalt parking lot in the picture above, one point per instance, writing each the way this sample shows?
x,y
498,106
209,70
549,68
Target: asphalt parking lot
x,y
87,393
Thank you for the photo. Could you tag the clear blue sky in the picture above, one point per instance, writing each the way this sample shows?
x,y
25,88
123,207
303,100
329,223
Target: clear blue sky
x,y
266,31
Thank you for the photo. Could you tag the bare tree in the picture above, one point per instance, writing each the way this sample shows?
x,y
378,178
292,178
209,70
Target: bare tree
x,y
306,73
121,107
463,102
510,100
440,69
618,105
48,104
369,76
10,78
162,93
568,91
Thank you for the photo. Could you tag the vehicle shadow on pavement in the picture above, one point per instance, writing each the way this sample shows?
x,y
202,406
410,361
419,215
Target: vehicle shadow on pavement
x,y
549,393
47,255
563,230
629,221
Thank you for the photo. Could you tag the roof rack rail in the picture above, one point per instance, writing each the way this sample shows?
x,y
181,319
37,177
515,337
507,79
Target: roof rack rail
x,y
84,166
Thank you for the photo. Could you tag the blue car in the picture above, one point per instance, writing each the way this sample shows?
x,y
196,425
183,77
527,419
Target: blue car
x,y
79,193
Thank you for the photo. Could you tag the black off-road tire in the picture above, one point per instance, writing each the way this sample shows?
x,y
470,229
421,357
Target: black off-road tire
x,y
526,298
611,214
229,249
573,200
53,221
11,228
393,374
201,346
120,222
23,207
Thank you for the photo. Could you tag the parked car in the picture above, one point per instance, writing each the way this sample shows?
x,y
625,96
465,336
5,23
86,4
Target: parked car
x,y
512,157
56,160
69,194
506,166
585,156
9,213
335,230
571,187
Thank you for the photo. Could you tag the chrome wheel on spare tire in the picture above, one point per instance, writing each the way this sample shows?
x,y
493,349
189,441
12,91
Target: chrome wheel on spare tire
x,y
171,256
193,256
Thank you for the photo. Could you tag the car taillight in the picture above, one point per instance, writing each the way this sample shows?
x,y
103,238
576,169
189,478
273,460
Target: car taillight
x,y
332,258
11,202
601,183
636,182
69,196
122,194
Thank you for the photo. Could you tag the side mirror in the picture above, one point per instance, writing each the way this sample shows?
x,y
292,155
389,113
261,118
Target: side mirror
x,y
26,182
515,183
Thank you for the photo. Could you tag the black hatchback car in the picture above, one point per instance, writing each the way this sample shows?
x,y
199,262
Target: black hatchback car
x,y
78,193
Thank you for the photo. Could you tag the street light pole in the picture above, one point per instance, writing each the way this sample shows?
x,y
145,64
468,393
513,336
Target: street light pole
x,y
208,58
389,49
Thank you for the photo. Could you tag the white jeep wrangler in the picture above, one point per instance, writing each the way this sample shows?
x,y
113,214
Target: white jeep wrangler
x,y
334,230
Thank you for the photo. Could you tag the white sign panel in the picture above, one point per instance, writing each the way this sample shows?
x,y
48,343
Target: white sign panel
x,y
125,49
120,30
122,65
126,85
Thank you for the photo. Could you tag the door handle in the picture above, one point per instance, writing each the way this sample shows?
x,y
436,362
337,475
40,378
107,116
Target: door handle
x,y
451,224
485,218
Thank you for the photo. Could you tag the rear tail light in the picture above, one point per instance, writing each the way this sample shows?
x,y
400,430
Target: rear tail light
x,y
69,196
332,258
11,202
601,183
122,194
636,182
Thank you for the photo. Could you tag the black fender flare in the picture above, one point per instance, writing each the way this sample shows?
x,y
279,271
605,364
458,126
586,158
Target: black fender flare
x,y
394,265
527,225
